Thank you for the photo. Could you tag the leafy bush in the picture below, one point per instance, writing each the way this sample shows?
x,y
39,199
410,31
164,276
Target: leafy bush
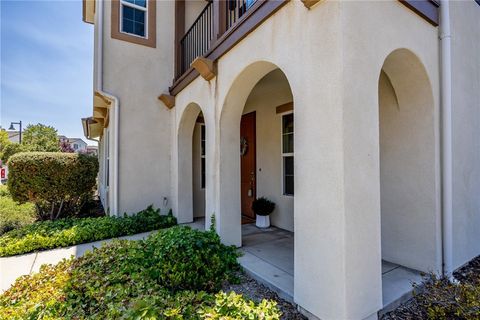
x,y
66,232
187,259
121,280
55,182
14,215
443,299
4,191
11,149
262,206
234,306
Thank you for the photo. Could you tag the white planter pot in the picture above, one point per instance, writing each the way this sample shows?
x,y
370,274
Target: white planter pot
x,y
263,221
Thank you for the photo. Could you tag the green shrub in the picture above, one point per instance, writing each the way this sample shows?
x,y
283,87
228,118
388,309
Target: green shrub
x,y
187,259
234,306
121,280
200,305
14,215
4,191
262,206
442,299
37,296
11,149
55,182
66,232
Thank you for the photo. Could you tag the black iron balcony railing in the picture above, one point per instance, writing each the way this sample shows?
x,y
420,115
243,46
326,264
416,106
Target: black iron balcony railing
x,y
235,9
197,39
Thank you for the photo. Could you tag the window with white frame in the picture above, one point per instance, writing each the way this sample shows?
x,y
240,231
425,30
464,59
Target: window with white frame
x,y
202,155
287,154
133,17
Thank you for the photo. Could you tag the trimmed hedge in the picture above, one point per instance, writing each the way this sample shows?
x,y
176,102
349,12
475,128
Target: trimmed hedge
x,y
67,232
54,181
121,280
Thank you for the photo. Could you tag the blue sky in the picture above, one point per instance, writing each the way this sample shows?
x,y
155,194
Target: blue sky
x,y
46,64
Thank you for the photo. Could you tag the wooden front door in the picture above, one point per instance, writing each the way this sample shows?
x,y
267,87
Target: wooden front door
x,y
248,161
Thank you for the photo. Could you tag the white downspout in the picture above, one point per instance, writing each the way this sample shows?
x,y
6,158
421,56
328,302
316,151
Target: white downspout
x,y
446,110
99,88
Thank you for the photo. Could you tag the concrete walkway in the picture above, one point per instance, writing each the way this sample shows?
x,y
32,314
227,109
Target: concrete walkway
x,y
268,257
13,267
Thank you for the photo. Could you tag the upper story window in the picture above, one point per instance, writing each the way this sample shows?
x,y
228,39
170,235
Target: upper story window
x,y
134,21
134,17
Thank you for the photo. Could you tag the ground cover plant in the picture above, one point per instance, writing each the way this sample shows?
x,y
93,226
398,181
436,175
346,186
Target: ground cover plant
x,y
440,298
122,280
12,214
45,235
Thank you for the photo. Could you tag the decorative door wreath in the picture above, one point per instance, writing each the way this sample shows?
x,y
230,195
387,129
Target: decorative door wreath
x,y
243,146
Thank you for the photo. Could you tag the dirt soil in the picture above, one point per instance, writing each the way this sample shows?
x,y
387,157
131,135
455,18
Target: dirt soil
x,y
256,291
412,309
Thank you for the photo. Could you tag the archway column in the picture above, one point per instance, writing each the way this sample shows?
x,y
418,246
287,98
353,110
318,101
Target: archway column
x,y
184,172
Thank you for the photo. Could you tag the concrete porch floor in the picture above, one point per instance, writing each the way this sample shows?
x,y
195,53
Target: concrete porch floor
x,y
268,257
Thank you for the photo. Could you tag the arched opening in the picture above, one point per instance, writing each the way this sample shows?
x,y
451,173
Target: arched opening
x,y
257,160
408,189
191,165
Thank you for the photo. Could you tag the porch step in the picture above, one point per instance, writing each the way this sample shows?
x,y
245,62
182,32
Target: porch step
x,y
268,275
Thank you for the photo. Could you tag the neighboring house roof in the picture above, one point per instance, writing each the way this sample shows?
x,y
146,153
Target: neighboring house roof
x,y
71,140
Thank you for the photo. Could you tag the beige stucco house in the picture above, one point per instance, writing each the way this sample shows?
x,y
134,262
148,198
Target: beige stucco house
x,y
359,119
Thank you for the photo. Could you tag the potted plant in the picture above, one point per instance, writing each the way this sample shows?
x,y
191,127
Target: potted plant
x,y
262,207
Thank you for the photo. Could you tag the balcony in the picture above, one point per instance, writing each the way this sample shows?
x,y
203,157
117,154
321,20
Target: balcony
x,y
219,26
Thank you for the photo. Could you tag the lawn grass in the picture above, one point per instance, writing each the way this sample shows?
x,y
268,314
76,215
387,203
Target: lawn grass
x,y
12,214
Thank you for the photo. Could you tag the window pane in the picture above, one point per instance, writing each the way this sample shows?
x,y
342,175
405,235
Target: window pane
x,y
141,3
133,21
288,165
202,137
288,175
203,173
139,16
289,185
127,26
249,3
128,13
139,29
288,123
287,133
287,143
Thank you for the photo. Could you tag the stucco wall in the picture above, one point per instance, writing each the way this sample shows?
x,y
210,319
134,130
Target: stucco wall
x,y
337,169
407,179
136,75
371,32
192,10
272,91
465,27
